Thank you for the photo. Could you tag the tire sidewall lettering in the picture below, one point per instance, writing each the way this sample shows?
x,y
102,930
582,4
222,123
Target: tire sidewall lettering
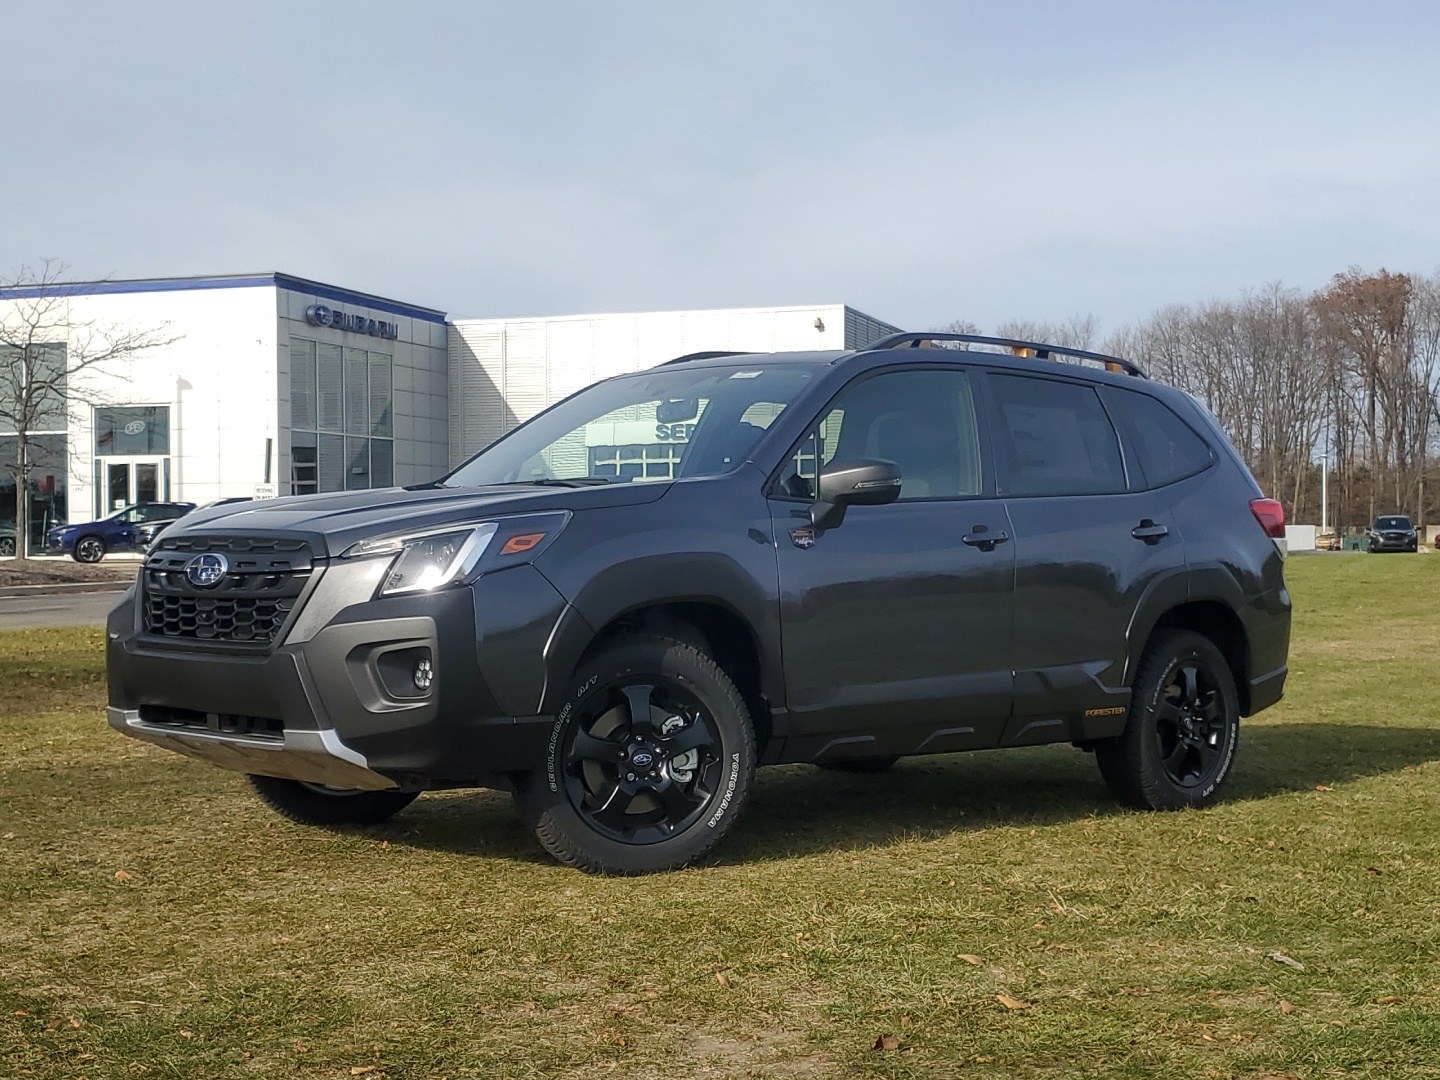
x,y
731,782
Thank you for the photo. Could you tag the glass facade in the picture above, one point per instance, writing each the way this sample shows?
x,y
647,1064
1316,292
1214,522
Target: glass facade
x,y
48,459
42,367
132,431
341,423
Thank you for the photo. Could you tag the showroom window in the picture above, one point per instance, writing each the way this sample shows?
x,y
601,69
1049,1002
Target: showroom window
x,y
47,446
341,427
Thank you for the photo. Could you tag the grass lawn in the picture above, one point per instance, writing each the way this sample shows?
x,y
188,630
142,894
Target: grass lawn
x,y
157,920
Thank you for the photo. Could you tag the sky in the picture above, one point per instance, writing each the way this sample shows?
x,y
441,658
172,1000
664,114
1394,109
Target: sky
x,y
920,161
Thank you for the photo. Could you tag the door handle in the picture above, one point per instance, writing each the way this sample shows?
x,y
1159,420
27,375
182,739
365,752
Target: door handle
x,y
1148,531
983,539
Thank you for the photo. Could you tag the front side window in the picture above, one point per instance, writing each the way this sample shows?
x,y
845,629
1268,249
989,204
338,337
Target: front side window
x,y
1053,438
923,421
667,423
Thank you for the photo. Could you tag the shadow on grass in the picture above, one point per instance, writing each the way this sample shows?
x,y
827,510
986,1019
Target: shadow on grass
x,y
798,809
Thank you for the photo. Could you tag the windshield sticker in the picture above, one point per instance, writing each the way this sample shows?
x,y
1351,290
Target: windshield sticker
x,y
746,375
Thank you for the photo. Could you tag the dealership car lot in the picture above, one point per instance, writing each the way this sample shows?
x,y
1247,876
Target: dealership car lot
x,y
209,939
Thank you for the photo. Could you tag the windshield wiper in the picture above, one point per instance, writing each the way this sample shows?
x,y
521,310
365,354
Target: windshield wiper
x,y
551,481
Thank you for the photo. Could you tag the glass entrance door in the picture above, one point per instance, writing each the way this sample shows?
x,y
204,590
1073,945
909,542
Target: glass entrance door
x,y
126,481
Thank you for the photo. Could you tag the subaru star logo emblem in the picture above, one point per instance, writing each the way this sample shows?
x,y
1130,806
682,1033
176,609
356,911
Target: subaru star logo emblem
x,y
642,759
206,571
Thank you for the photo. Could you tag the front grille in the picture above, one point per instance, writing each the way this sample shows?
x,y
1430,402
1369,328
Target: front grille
x,y
252,727
248,607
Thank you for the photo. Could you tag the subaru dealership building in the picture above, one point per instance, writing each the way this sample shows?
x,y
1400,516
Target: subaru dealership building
x,y
268,384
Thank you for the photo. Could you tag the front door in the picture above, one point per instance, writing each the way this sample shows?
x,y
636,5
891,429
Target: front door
x,y
896,624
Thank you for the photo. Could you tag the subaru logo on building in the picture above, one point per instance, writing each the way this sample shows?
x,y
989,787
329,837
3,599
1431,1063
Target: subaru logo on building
x,y
643,759
206,571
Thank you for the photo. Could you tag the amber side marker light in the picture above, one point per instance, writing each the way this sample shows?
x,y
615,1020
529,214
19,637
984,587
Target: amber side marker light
x,y
523,542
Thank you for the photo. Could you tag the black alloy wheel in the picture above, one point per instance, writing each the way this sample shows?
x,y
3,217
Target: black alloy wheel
x,y
1183,729
1190,725
650,763
89,549
646,767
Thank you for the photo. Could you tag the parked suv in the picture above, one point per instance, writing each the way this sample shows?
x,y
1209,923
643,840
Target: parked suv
x,y
120,531
1393,533
625,605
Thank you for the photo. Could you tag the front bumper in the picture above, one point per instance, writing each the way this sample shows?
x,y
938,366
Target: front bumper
x,y
318,757
335,703
1389,543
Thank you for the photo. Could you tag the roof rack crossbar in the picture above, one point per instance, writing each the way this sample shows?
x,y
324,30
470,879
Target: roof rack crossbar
x,y
711,355
1040,350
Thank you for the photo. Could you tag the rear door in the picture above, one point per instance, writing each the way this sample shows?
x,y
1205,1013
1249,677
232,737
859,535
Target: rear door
x,y
1090,543
895,629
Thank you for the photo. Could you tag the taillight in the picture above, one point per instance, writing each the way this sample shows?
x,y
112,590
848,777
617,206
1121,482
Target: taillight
x,y
1271,516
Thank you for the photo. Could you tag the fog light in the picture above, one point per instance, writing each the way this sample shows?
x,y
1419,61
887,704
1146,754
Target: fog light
x,y
424,675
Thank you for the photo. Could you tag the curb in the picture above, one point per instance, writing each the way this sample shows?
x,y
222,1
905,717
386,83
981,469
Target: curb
x,y
60,588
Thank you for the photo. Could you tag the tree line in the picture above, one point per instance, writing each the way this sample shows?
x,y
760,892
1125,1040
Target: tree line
x,y
1345,378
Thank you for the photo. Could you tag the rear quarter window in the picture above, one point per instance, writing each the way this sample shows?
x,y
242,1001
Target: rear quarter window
x,y
1167,448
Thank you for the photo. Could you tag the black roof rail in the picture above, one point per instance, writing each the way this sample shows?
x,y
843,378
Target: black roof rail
x,y
1038,349
711,355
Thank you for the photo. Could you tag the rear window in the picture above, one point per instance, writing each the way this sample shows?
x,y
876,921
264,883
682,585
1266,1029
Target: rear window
x,y
1053,438
1168,449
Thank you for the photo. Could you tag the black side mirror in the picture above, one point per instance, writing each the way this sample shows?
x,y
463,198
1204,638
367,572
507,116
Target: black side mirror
x,y
856,482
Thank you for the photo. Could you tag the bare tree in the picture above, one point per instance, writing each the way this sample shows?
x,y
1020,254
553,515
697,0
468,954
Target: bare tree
x,y
49,362
1076,332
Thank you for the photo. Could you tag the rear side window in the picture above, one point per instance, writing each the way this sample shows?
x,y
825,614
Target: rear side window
x,y
1168,449
1053,438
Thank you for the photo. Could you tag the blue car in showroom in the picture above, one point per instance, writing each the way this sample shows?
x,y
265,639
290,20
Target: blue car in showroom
x,y
128,529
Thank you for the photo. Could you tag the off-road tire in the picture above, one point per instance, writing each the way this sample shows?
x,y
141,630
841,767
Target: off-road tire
x,y
312,804
860,764
555,798
1133,765
89,549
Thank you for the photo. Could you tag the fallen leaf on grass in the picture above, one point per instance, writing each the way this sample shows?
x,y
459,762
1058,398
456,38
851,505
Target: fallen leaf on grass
x,y
361,1070
1323,787
1286,1008
1010,1002
1288,961
721,979
121,875
75,1022
1373,871
886,1042
1388,999
971,959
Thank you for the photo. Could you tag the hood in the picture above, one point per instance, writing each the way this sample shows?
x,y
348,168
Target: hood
x,y
333,522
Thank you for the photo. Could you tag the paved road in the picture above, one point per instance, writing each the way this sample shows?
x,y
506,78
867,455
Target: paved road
x,y
64,609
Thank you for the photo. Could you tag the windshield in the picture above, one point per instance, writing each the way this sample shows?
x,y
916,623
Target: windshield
x,y
1392,523
662,424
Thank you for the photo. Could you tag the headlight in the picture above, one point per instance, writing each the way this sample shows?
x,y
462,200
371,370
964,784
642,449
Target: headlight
x,y
429,561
